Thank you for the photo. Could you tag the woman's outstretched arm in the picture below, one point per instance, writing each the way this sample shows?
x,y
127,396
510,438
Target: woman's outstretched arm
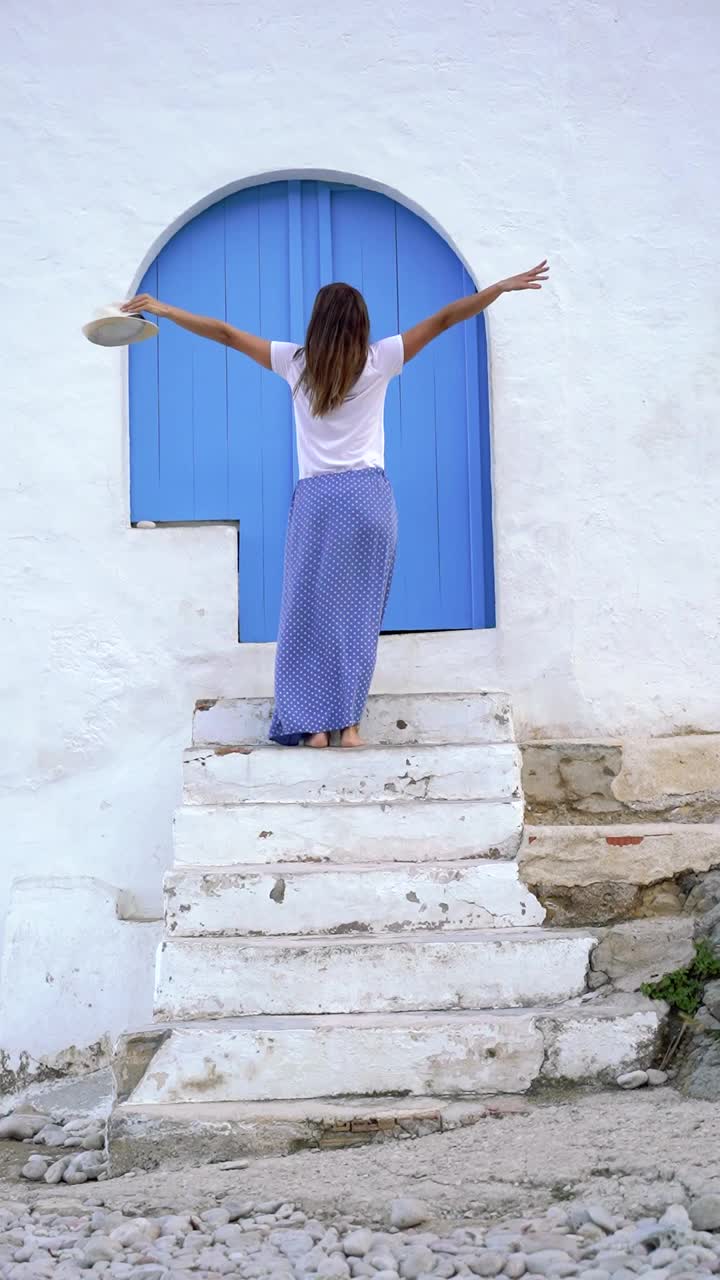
x,y
205,327
418,337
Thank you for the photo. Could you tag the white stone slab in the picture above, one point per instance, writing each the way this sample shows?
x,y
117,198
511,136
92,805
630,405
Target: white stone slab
x,y
402,718
485,969
355,899
268,833
451,1054
266,1059
280,775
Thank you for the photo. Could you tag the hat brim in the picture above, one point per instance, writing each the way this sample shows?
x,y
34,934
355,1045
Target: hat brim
x,y
119,331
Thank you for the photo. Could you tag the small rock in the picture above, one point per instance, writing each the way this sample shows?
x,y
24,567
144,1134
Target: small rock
x,y
233,1164
94,1141
516,1266
73,1177
51,1135
487,1263
238,1209
17,1127
56,1170
408,1212
552,1262
99,1249
705,1213
418,1261
80,1125
601,1217
35,1169
656,1077
676,1218
215,1217
357,1243
632,1079
333,1267
661,1257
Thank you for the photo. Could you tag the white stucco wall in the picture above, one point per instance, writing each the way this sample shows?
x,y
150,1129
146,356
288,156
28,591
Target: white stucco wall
x,y
587,131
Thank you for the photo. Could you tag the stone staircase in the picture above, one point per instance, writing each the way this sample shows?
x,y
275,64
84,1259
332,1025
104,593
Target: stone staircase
x,y
349,951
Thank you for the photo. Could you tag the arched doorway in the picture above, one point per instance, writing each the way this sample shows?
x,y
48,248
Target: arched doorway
x,y
211,433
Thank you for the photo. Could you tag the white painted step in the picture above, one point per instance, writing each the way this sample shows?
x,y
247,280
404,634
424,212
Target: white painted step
x,y
302,900
226,775
250,833
389,719
442,1054
483,969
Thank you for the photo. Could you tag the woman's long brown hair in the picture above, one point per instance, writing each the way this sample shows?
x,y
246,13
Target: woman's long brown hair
x,y
336,347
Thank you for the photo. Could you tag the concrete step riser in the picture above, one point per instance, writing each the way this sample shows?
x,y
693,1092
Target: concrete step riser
x,y
209,977
445,1055
364,900
388,774
403,719
262,834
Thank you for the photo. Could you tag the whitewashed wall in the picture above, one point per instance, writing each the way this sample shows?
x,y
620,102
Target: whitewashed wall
x,y
584,131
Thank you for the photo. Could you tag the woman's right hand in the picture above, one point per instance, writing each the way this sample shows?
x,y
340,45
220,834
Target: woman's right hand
x,y
531,279
145,302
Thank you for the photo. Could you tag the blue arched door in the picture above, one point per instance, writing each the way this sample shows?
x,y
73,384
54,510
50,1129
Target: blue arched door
x,y
211,432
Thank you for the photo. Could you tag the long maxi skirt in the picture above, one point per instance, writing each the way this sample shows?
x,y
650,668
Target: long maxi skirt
x,y
339,560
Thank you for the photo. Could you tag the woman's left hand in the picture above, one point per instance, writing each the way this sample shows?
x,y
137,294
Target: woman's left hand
x,y
144,302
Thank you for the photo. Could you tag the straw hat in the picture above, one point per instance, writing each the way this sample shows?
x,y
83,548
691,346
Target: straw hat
x,y
112,327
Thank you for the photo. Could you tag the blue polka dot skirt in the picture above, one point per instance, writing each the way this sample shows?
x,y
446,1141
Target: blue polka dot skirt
x,y
339,560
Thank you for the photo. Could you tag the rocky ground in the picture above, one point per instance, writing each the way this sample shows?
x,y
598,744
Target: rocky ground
x,y
604,1187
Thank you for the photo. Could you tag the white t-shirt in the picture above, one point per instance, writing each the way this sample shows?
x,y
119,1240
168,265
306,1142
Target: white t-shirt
x,y
352,437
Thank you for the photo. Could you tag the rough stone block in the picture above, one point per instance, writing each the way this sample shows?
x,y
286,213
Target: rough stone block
x,y
641,951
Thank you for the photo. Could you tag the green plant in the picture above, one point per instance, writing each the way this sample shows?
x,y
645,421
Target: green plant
x,y
683,989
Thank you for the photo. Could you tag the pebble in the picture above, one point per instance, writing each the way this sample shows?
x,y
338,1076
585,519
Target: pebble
x,y
418,1261
601,1217
407,1212
705,1213
633,1079
35,1169
19,1127
358,1243
676,1218
516,1266
656,1077
487,1263
51,1135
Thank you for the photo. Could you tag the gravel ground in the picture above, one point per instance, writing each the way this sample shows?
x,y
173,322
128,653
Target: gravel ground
x,y
603,1163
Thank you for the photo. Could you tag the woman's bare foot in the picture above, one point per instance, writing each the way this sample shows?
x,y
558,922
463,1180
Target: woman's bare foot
x,y
351,738
317,740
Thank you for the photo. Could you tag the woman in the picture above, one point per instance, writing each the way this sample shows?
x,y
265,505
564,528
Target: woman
x,y
341,537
